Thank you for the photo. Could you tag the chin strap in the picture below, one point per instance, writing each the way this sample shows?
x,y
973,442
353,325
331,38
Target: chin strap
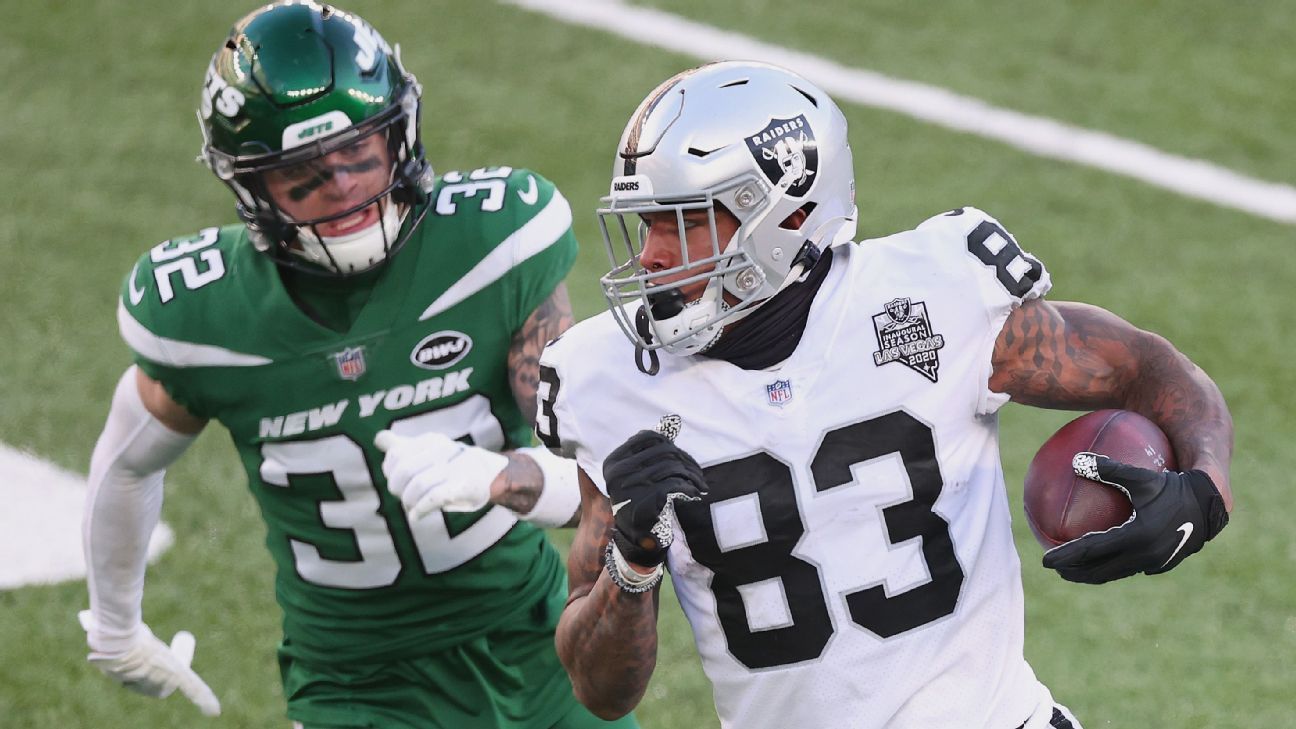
x,y
806,259
353,252
645,331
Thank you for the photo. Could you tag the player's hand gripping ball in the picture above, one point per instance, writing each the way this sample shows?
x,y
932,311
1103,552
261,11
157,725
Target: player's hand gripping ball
x,y
1061,505
1167,515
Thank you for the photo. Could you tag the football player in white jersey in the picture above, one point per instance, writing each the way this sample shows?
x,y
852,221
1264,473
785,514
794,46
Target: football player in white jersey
x,y
823,480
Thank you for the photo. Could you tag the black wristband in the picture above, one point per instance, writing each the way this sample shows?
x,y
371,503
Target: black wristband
x,y
1210,501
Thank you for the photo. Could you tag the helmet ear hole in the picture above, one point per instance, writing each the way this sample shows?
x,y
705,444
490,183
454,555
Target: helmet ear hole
x,y
798,217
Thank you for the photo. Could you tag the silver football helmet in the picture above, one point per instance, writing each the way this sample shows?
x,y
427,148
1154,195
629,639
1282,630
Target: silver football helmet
x,y
754,138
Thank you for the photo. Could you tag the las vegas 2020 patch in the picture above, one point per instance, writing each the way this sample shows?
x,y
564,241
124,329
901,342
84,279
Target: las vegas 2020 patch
x,y
904,335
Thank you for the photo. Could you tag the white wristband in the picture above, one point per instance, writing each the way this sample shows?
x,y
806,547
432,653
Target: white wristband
x,y
628,578
560,497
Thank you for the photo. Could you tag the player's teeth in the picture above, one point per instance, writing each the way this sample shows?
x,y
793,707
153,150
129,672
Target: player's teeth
x,y
351,221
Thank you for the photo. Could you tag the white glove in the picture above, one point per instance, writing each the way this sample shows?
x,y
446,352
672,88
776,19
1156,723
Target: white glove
x,y
431,472
150,667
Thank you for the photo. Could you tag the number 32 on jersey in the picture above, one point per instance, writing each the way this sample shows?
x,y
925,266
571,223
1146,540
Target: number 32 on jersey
x,y
178,256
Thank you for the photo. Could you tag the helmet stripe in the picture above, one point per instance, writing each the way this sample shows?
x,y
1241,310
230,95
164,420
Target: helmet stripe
x,y
631,153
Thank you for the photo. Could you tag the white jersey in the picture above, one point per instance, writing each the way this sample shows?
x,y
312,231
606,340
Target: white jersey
x,y
852,564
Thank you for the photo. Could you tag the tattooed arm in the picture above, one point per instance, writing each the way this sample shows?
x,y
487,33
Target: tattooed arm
x,y
1079,357
552,317
607,637
431,472
519,485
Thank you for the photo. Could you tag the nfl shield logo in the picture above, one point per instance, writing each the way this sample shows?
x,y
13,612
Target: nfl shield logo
x,y
780,392
350,363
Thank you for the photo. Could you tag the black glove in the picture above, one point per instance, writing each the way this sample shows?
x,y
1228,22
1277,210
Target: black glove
x,y
644,476
1174,515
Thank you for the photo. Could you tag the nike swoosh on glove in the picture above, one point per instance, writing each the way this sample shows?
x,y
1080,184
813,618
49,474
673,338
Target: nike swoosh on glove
x,y
148,666
645,476
432,472
1175,514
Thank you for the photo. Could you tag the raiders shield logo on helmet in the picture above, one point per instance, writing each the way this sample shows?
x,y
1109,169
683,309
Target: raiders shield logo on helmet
x,y
787,153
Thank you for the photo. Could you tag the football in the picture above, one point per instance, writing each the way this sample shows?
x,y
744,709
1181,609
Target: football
x,y
1060,505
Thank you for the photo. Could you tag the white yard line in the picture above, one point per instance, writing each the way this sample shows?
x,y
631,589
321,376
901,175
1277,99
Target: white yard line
x,y
1037,135
40,523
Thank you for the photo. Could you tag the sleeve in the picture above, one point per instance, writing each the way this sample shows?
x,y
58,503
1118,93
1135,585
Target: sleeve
x,y
176,310
1005,276
555,426
563,394
139,317
123,505
543,244
175,384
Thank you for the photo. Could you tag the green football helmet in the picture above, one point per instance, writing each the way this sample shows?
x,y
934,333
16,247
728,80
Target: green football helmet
x,y
297,82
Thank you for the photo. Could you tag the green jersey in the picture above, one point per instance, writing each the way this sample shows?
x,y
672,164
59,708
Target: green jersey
x,y
209,317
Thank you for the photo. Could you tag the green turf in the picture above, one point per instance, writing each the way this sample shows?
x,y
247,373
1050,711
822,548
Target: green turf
x,y
1205,78
98,140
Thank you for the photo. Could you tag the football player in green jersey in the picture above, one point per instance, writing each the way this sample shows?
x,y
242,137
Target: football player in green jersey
x,y
369,336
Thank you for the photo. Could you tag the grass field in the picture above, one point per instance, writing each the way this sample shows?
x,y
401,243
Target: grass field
x,y
97,142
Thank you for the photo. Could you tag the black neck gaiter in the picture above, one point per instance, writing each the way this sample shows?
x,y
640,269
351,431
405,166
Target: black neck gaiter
x,y
770,334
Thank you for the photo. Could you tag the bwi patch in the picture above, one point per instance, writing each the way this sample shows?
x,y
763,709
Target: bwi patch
x,y
904,335
779,392
350,363
787,153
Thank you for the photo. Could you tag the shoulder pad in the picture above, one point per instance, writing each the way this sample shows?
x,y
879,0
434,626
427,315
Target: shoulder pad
x,y
992,250
567,365
959,220
167,301
492,189
175,266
